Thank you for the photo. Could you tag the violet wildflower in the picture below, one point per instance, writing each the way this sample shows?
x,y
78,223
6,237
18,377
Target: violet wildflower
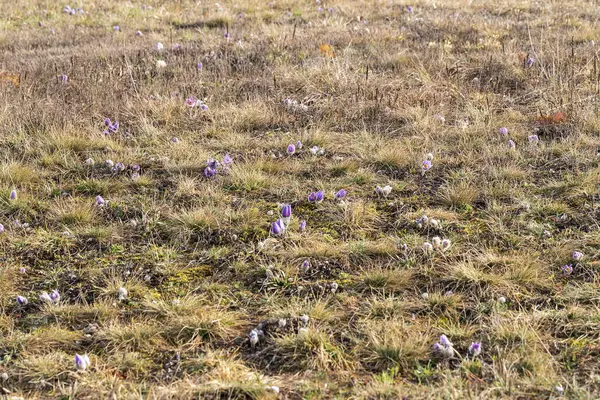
x,y
139,33
286,211
305,266
427,248
190,102
22,300
409,9
1,228
533,139
277,227
159,46
63,78
475,349
444,348
199,66
340,194
291,149
503,131
13,194
119,167
116,28
109,163
446,244
577,255
511,144
426,166
22,270
529,62
567,269
312,197
203,107
99,201
209,172
226,36
299,145
175,140
107,121
55,296
253,337
302,226
227,160
319,196
45,297
176,46
82,362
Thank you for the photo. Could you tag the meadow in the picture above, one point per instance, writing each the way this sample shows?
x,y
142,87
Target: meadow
x,y
340,199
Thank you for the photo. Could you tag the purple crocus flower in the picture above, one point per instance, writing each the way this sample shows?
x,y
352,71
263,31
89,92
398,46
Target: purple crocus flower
x,y
409,9
107,122
22,300
13,194
426,165
286,211
534,139
291,149
55,296
82,362
199,66
340,194
22,270
277,227
116,28
139,33
305,266
529,62
226,35
475,349
503,131
312,197
203,107
63,78
99,201
567,269
299,145
444,341
119,167
577,255
1,228
227,160
209,172
175,140
190,102
212,163
319,196
511,144
302,226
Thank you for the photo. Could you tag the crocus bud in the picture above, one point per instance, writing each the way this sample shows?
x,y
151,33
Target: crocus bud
x,y
340,194
82,362
503,131
99,201
122,295
305,266
253,337
22,300
577,255
55,296
45,297
13,194
299,145
475,349
90,161
437,242
110,163
227,160
277,227
304,319
302,226
427,247
446,244
286,211
511,144
319,196
291,149
312,197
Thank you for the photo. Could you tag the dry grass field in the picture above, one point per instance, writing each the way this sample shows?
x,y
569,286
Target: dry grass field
x,y
344,199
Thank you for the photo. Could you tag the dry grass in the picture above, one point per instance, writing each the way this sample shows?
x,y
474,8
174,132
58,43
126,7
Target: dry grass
x,y
162,284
